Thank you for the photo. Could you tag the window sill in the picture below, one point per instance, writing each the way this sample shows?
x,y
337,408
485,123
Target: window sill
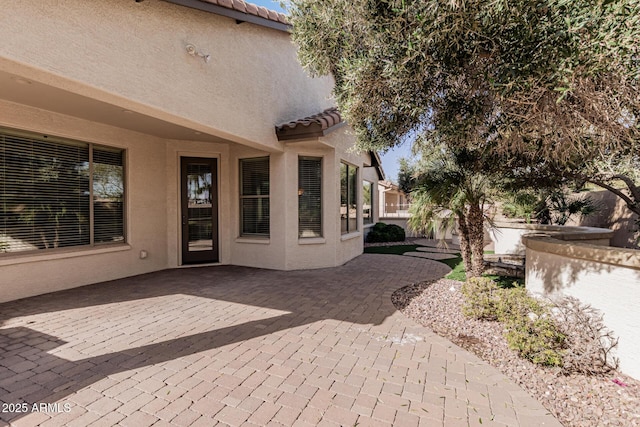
x,y
350,236
25,258
255,240
312,241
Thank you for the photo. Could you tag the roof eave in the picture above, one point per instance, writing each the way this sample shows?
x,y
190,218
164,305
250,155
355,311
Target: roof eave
x,y
303,133
230,13
377,163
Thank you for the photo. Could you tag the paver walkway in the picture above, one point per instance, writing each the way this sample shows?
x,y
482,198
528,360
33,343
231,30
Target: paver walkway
x,y
241,346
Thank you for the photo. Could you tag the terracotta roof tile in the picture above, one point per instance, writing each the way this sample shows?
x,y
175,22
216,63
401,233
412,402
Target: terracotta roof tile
x,y
250,9
240,6
310,127
263,12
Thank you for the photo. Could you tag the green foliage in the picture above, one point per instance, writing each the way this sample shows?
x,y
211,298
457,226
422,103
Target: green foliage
x,y
407,175
382,232
552,86
524,204
530,327
458,273
452,189
560,207
482,298
531,330
548,78
552,206
536,340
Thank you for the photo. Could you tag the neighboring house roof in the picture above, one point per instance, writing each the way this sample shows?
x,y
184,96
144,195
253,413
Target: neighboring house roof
x,y
390,186
310,127
241,11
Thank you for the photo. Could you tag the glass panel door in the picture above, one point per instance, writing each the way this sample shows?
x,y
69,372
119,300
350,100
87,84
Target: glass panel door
x,y
199,210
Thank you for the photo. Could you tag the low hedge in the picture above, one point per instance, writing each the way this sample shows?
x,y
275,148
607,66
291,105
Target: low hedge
x,y
382,232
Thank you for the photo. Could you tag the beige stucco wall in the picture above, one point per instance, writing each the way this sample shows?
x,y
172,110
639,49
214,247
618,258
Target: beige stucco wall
x,y
606,278
134,55
25,275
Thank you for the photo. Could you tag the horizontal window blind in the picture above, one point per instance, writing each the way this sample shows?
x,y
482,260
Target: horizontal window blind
x,y
254,197
348,198
309,197
46,194
108,195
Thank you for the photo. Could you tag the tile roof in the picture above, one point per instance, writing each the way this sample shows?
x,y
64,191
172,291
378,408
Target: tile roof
x,y
250,9
310,127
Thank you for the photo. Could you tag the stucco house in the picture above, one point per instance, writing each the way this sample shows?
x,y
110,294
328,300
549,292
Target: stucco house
x,y
393,202
138,135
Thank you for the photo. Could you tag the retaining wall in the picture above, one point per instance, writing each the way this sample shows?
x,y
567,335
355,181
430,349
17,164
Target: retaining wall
x,y
607,278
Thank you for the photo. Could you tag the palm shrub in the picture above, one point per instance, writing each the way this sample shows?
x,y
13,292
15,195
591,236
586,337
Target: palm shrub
x,y
451,191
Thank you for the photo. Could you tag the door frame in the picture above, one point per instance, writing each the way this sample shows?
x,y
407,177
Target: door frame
x,y
205,257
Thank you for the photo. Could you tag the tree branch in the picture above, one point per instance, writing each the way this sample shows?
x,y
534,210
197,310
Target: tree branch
x,y
631,204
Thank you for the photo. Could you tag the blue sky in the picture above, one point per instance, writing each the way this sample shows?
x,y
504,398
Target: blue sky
x,y
389,159
269,4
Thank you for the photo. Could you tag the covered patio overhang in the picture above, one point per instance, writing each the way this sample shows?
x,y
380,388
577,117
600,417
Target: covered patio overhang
x,y
47,92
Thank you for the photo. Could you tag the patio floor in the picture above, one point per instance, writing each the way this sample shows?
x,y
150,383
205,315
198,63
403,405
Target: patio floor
x,y
242,346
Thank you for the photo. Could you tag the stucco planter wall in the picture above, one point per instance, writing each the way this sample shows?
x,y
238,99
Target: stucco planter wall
x,y
507,236
607,278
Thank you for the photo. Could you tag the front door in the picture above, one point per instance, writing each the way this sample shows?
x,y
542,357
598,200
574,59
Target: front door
x,y
199,196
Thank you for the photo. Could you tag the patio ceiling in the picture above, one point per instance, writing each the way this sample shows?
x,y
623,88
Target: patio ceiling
x,y
19,90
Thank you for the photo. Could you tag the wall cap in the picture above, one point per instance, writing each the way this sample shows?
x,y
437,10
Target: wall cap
x,y
568,246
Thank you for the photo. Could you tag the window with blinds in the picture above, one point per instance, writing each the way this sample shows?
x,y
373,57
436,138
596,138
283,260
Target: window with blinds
x,y
254,197
309,197
58,194
348,198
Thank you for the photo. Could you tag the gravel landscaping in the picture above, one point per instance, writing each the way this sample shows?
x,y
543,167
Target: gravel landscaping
x,y
576,400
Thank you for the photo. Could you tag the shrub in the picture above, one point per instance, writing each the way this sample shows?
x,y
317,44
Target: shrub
x,y
482,298
534,335
382,232
531,331
565,333
589,342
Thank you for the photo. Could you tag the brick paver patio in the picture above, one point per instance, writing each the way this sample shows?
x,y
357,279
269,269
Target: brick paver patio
x,y
239,346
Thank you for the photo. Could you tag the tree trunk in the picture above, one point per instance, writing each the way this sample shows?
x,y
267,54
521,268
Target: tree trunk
x,y
465,248
475,226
